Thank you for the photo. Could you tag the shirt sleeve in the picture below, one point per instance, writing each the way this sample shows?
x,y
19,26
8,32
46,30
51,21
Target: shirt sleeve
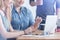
x,y
31,19
57,3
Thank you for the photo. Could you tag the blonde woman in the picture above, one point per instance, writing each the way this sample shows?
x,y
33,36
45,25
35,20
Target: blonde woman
x,y
6,31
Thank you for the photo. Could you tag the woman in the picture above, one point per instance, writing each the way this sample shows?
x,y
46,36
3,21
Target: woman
x,y
22,18
6,31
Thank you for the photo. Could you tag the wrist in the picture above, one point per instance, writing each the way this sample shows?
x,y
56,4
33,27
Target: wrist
x,y
25,32
22,32
28,31
37,24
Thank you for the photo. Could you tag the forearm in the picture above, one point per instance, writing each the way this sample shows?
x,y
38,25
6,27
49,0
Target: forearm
x,y
13,34
32,28
35,26
6,34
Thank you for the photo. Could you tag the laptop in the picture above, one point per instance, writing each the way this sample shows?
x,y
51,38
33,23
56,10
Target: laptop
x,y
50,24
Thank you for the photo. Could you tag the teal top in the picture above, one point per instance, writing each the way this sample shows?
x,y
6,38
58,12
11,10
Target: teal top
x,y
6,25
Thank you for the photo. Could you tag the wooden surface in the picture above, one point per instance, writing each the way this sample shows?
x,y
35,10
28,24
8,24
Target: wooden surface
x,y
55,36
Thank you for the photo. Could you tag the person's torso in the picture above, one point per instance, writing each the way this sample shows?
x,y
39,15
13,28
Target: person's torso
x,y
20,21
46,9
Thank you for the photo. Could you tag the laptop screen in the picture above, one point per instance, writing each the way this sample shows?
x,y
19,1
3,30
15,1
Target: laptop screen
x,y
50,24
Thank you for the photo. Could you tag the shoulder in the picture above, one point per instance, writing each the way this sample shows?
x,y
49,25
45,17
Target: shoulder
x,y
25,9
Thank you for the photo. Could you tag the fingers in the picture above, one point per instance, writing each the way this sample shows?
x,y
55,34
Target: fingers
x,y
37,22
38,19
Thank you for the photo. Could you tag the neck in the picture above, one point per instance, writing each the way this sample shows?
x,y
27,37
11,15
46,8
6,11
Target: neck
x,y
17,8
0,8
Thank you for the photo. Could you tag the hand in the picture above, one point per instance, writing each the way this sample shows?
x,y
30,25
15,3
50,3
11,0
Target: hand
x,y
37,23
38,20
39,2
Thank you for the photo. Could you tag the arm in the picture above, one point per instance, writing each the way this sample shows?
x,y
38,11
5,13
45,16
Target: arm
x,y
8,13
38,2
58,12
58,8
35,26
8,34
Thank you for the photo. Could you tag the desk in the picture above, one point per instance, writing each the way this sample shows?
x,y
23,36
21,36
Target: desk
x,y
56,36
